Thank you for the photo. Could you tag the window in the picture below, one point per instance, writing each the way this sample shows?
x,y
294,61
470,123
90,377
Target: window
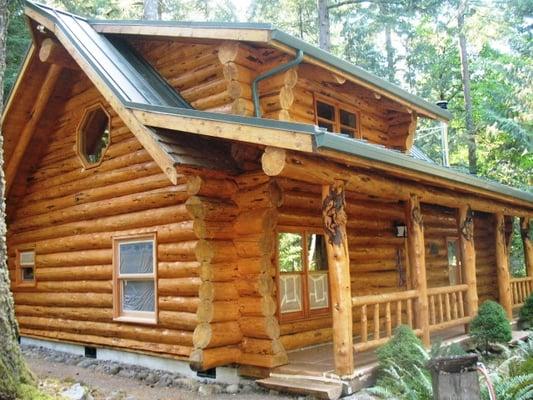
x,y
25,267
336,117
454,261
93,135
135,283
303,288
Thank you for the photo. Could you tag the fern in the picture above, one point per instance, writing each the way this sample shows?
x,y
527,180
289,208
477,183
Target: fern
x,y
515,388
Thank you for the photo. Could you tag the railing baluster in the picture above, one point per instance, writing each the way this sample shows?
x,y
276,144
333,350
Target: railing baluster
x,y
398,313
388,319
364,326
461,305
441,310
432,315
376,321
448,310
409,306
454,304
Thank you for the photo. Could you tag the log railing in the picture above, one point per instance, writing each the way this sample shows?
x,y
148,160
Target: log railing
x,y
382,313
447,307
521,288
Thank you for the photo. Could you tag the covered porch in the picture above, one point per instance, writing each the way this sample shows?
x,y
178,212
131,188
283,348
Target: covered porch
x,y
361,323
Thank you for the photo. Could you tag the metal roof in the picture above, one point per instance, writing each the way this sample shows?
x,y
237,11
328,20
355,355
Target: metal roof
x,y
125,72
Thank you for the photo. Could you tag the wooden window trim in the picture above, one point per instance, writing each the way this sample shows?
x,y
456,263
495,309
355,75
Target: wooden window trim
x,y
139,317
306,313
337,105
80,140
19,282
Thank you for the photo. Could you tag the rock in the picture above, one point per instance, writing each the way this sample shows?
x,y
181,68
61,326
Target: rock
x,y
86,363
126,373
116,395
359,396
206,390
141,375
232,389
186,383
164,381
151,378
114,369
75,392
247,388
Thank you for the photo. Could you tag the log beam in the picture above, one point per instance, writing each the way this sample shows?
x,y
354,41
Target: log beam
x,y
52,52
502,266
525,230
468,253
417,261
334,220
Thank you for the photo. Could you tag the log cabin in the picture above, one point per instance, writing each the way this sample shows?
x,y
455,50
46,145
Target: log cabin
x,y
224,194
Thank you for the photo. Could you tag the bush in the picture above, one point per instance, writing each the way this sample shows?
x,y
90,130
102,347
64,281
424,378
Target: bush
x,y
490,326
522,368
404,350
525,316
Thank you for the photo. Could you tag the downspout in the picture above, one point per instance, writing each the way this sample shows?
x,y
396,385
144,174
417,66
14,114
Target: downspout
x,y
276,70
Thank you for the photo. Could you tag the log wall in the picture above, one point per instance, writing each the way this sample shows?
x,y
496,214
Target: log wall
x,y
70,214
485,245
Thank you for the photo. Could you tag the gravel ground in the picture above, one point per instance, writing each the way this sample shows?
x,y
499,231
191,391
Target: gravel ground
x,y
60,373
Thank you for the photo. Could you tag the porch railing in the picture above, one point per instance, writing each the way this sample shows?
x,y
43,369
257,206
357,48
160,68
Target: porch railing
x,y
447,307
381,313
521,288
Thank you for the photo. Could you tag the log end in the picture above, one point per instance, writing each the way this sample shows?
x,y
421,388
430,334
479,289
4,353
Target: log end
x,y
273,161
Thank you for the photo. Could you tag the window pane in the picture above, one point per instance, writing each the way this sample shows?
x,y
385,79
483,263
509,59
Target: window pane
x,y
325,125
27,257
138,296
290,286
452,253
290,252
324,110
348,118
136,258
348,131
27,274
318,290
316,251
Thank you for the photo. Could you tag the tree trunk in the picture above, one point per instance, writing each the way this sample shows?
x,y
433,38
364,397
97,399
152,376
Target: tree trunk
x,y
151,10
324,37
13,370
469,119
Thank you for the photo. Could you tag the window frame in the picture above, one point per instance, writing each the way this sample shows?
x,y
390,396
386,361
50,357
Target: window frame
x,y
459,272
18,268
306,312
80,139
337,107
141,317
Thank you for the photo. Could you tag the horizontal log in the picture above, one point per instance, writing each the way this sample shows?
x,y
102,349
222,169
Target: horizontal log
x,y
307,338
218,291
75,313
211,209
264,360
101,300
201,360
257,306
220,272
218,311
179,286
216,334
178,320
65,274
90,286
262,346
178,269
176,303
260,327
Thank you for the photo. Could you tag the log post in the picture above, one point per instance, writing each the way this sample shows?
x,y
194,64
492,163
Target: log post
x,y
525,225
468,253
417,261
502,266
334,220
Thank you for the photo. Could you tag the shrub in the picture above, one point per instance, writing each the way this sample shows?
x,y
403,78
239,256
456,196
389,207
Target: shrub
x,y
522,368
490,325
404,350
525,316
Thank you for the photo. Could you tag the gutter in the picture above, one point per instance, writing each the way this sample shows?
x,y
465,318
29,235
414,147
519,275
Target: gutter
x,y
274,71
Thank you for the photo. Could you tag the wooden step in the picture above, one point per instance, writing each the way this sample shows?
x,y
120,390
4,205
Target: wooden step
x,y
328,390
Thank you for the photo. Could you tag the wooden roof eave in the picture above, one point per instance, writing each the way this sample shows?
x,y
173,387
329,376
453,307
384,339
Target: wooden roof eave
x,y
293,137
143,134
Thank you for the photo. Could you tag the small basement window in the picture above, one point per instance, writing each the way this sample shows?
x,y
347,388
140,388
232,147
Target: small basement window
x,y
337,117
26,267
93,135
135,282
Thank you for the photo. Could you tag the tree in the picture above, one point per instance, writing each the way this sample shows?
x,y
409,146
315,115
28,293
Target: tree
x,y
324,34
469,119
13,371
151,10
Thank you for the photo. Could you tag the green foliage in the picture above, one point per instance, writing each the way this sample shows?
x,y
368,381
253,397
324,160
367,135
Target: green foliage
x,y
17,44
404,350
511,388
29,392
525,315
522,368
490,325
290,252
440,350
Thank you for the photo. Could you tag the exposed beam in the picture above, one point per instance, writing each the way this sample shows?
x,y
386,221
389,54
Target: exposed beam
x,y
417,261
41,101
52,52
334,220
502,266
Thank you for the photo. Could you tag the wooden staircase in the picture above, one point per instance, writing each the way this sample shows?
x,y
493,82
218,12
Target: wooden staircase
x,y
317,386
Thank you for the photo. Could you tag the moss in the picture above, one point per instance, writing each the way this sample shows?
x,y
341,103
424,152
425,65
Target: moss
x,y
490,326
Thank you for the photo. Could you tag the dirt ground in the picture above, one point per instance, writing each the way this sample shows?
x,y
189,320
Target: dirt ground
x,y
56,376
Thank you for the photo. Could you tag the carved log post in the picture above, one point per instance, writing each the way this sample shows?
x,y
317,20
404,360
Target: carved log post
x,y
334,220
417,261
502,266
525,225
468,252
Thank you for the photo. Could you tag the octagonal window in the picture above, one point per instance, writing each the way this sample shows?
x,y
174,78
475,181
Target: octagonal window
x,y
93,135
